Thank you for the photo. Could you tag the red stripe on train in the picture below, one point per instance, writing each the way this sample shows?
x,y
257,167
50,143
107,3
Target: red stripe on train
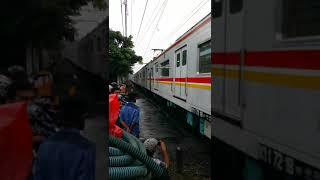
x,y
280,59
206,80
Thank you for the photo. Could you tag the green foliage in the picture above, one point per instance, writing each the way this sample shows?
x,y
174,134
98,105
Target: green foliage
x,y
121,54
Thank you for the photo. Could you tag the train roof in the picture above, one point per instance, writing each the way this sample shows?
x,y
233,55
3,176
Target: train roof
x,y
207,17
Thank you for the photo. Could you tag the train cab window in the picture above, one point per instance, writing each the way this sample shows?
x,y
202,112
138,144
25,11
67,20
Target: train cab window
x,y
184,57
178,60
300,18
236,6
205,57
216,8
165,68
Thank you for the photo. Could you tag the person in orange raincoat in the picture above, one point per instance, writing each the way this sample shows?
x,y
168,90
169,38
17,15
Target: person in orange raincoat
x,y
114,111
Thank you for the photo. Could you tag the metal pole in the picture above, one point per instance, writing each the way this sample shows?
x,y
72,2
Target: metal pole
x,y
125,17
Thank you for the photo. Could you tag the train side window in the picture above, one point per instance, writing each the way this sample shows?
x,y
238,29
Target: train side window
x,y
236,6
216,8
205,57
300,18
178,60
165,68
184,57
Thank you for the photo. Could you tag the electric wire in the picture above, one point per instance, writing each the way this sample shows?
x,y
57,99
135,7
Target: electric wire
x,y
201,5
153,20
155,10
145,7
155,27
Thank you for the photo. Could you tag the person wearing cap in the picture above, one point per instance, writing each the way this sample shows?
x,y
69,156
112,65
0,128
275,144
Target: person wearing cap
x,y
152,145
130,115
67,155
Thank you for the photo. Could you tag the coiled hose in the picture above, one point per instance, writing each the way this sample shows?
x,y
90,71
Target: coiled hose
x,y
128,159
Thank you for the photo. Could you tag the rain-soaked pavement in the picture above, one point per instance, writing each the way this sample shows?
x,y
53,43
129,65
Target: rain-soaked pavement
x,y
196,151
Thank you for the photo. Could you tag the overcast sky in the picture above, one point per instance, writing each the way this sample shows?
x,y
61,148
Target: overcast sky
x,y
164,21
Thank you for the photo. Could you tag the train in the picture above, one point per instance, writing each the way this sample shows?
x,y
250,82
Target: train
x,y
266,98
181,75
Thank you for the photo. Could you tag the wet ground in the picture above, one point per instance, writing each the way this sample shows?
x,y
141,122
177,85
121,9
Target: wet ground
x,y
196,151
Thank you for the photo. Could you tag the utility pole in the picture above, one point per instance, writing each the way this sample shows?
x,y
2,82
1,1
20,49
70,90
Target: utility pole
x,y
125,17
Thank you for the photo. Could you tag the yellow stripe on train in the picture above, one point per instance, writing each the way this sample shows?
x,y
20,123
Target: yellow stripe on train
x,y
292,81
189,85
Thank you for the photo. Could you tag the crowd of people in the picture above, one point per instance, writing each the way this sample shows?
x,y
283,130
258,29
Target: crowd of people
x,y
129,120
59,151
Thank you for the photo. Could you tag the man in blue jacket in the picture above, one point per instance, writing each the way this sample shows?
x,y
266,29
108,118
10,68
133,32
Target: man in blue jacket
x,y
67,155
130,115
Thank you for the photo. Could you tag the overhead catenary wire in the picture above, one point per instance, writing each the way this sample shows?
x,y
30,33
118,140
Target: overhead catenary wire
x,y
166,2
195,10
153,20
145,7
154,10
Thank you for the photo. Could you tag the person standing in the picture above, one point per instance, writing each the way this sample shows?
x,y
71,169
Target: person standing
x,y
130,115
67,155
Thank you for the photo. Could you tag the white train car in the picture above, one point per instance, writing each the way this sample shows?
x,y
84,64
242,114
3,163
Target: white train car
x,y
181,74
266,79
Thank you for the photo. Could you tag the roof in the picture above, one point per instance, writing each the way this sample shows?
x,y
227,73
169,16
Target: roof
x,y
203,21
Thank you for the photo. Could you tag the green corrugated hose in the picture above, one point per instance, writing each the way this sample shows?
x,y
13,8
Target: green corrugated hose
x,y
127,172
136,154
115,152
118,161
134,141
122,165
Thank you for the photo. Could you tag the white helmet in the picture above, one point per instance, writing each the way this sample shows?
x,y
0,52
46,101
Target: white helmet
x,y
151,144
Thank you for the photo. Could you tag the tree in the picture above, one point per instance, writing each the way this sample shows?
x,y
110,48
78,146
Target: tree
x,y
121,54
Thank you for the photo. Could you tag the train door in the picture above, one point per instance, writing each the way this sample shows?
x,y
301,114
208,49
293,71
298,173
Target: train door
x,y
156,76
176,76
234,50
152,79
180,71
183,74
218,48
